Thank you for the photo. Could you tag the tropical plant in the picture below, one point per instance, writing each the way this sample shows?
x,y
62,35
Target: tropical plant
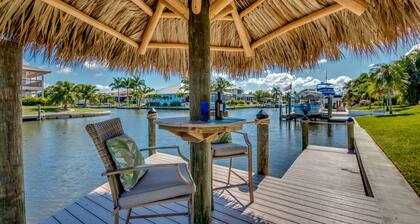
x,y
184,89
221,84
117,84
127,84
276,93
391,76
140,93
262,96
87,93
63,92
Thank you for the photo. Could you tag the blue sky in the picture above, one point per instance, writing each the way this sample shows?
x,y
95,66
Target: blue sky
x,y
349,67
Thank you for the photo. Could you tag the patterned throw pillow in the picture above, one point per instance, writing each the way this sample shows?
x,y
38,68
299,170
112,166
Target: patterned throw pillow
x,y
226,137
124,153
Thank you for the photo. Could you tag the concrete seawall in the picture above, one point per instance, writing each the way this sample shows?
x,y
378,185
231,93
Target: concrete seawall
x,y
65,115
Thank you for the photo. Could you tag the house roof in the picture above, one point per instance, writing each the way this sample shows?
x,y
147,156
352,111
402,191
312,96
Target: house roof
x,y
32,71
168,90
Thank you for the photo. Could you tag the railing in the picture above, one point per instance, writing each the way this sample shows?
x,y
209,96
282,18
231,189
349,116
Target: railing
x,y
350,131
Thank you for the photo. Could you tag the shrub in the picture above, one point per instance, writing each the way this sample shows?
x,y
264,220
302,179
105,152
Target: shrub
x,y
33,101
175,104
378,103
241,102
153,104
165,104
363,103
232,102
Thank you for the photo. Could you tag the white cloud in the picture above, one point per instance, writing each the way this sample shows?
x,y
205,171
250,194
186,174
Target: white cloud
x,y
99,74
93,65
414,48
64,69
322,61
371,65
284,79
103,88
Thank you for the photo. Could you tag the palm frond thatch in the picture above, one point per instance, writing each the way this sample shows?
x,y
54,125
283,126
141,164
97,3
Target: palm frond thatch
x,y
65,38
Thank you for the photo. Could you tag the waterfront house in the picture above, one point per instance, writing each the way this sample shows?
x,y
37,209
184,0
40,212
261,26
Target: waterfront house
x,y
168,96
33,80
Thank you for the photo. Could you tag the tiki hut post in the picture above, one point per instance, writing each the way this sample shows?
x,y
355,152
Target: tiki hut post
x,y
199,77
12,197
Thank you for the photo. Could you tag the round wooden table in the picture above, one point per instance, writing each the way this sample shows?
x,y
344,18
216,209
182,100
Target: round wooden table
x,y
201,134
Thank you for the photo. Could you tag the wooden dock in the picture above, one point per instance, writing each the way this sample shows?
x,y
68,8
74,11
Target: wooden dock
x,y
322,186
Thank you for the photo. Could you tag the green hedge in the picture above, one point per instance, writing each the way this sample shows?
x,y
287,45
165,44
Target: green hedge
x,y
33,101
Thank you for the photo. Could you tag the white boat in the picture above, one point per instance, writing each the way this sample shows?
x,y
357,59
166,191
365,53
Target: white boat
x,y
309,102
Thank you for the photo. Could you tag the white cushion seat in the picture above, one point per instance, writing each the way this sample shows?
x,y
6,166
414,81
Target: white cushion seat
x,y
228,149
156,185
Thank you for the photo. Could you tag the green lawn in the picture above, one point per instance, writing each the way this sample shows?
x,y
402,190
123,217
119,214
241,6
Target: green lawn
x,y
366,108
33,110
399,137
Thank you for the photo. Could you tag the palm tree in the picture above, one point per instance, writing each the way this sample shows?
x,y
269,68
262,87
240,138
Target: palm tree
x,y
391,76
136,84
117,84
127,84
276,93
63,93
86,92
221,84
140,93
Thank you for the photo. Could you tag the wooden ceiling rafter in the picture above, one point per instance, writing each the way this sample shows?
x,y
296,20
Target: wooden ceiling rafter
x,y
242,31
177,7
358,7
143,6
217,7
151,26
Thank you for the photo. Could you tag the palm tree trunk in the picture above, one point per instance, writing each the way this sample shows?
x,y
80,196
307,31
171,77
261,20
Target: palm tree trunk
x,y
118,96
12,197
128,99
390,100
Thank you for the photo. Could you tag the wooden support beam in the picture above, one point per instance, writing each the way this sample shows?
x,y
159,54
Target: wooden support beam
x,y
217,7
226,11
150,29
250,8
298,23
358,7
196,6
243,33
58,4
146,8
185,46
177,7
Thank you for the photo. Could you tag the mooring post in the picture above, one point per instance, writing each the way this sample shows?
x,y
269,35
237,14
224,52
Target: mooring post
x,y
305,132
39,112
330,107
151,117
350,134
262,122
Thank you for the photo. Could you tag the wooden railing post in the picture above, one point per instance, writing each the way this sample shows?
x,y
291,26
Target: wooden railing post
x,y
350,134
305,132
151,117
262,122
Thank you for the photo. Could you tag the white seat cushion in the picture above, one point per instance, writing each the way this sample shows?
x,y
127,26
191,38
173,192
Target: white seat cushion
x,y
228,149
156,185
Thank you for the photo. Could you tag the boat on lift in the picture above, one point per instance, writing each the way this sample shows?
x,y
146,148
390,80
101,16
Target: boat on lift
x,y
309,103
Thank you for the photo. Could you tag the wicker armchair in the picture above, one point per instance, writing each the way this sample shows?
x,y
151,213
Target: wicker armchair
x,y
163,183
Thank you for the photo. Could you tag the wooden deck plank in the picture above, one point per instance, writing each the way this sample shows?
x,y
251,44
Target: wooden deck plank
x,y
322,186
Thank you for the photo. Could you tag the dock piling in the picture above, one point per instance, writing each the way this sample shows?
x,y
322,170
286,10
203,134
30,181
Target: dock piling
x,y
330,107
262,122
151,117
350,134
305,132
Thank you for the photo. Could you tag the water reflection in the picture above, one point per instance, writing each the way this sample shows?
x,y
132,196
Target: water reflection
x,y
61,163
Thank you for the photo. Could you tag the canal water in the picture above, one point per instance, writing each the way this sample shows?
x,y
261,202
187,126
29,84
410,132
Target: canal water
x,y
61,162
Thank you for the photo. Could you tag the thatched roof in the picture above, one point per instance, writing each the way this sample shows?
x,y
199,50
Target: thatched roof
x,y
287,33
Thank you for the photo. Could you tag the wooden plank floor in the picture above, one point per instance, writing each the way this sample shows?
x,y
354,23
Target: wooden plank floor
x,y
322,186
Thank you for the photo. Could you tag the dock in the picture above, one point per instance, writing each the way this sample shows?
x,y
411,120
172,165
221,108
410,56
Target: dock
x,y
323,185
